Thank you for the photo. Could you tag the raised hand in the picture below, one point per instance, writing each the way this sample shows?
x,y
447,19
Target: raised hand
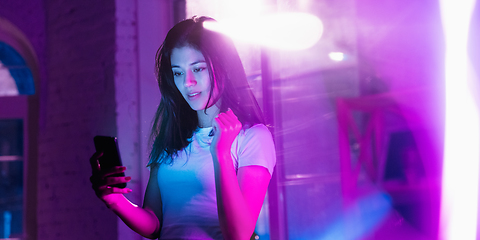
x,y
103,180
226,127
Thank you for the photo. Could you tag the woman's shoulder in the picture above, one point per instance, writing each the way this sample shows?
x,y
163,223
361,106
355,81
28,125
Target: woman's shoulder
x,y
257,129
256,147
257,132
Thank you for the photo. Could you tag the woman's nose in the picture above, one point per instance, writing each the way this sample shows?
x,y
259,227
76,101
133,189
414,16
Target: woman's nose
x,y
190,79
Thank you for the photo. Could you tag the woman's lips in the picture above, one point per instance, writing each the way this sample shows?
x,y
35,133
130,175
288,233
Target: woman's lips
x,y
193,96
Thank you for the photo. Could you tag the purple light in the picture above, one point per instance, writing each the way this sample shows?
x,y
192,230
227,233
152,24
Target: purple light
x,y
461,153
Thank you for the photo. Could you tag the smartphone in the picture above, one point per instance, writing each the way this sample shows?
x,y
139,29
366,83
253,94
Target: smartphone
x,y
111,155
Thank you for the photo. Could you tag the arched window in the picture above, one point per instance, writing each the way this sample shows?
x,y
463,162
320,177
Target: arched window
x,y
15,76
18,70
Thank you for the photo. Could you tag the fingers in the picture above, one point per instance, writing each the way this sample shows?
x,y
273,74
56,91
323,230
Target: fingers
x,y
226,126
104,191
104,173
113,170
227,118
104,180
110,190
116,180
231,114
218,122
228,121
109,177
107,187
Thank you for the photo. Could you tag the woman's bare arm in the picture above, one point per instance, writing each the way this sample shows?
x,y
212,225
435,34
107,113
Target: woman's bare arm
x,y
239,196
153,199
141,220
145,221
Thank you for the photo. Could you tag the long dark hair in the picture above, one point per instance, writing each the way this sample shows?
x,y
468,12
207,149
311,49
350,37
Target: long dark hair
x,y
175,121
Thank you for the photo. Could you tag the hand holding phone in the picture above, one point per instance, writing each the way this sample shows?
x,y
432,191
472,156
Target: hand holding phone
x,y
110,157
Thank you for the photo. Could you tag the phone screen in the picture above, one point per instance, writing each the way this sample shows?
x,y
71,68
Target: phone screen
x,y
111,155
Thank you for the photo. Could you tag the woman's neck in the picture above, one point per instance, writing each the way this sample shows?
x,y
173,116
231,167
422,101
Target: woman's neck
x,y
205,119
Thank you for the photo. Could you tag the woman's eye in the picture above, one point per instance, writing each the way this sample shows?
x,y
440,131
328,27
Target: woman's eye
x,y
199,69
176,74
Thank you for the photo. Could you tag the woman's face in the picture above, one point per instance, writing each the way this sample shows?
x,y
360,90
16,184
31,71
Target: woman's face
x,y
191,76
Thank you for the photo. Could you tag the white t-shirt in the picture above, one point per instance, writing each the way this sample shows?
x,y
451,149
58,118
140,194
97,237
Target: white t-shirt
x,y
187,186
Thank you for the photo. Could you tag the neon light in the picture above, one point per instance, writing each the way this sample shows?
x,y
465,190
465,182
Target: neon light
x,y
461,153
288,31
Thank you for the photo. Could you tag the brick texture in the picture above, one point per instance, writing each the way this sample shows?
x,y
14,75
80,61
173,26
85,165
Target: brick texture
x,y
80,104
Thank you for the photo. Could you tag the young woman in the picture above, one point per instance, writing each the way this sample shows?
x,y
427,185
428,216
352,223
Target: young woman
x,y
212,156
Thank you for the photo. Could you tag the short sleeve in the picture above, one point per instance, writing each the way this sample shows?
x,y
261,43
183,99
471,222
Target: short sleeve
x,y
255,147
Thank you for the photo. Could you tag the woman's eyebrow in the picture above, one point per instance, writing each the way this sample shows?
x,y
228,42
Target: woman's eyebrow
x,y
196,62
191,64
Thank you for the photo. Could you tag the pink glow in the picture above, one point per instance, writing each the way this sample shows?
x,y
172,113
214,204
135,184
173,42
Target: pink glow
x,y
288,31
461,154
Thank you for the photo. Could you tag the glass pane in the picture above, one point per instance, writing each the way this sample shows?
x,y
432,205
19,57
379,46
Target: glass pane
x,y
15,76
11,198
11,137
11,178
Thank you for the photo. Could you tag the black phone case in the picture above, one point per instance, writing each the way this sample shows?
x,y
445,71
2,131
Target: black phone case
x,y
111,155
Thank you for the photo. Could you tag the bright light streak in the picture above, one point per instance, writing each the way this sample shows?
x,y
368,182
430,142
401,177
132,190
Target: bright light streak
x,y
337,56
359,219
462,140
289,31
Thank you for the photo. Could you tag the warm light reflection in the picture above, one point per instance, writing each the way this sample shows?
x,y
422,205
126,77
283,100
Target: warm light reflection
x,y
288,31
461,153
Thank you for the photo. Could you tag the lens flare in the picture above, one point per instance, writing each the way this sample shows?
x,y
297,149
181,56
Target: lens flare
x,y
287,31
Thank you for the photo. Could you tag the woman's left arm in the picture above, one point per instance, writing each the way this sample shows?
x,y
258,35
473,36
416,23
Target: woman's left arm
x,y
239,196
